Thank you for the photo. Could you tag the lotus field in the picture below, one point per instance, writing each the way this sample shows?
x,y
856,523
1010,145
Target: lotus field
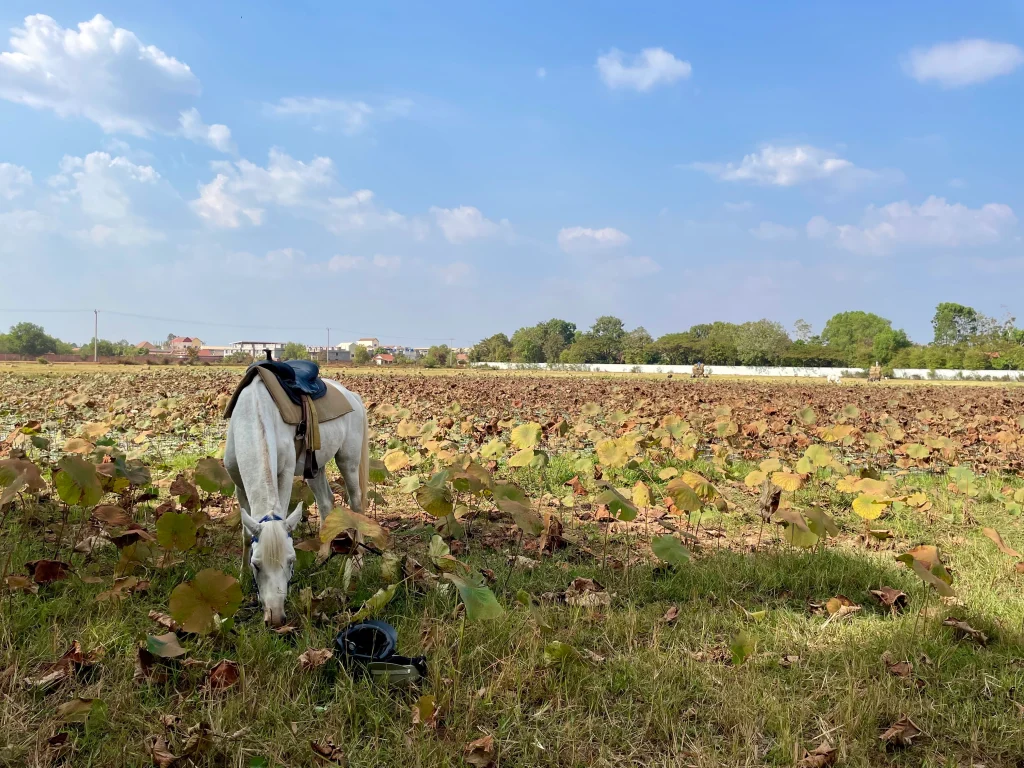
x,y
601,571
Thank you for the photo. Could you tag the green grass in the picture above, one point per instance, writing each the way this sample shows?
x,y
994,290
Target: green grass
x,y
665,695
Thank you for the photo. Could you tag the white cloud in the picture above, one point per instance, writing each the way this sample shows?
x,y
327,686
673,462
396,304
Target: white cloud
x,y
357,212
241,188
769,230
22,222
106,188
585,240
786,166
100,72
456,273
17,227
219,207
541,73
465,223
101,183
389,263
934,224
962,63
351,263
216,135
14,180
354,115
128,234
642,72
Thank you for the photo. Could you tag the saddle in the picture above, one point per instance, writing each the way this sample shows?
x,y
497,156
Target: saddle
x,y
303,399
297,377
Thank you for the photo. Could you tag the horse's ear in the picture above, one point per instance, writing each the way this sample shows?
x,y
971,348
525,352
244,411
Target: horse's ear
x,y
294,518
249,524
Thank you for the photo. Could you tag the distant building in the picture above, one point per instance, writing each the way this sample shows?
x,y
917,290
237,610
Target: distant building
x,y
333,354
397,349
214,351
181,344
369,343
383,359
256,348
347,346
145,345
462,358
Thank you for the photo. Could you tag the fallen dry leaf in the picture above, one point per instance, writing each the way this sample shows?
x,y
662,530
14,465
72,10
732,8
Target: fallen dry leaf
x,y
901,733
963,629
993,534
47,571
480,753
160,752
841,606
148,668
314,658
327,751
891,598
22,583
223,674
76,710
164,621
903,669
822,756
425,712
587,593
671,615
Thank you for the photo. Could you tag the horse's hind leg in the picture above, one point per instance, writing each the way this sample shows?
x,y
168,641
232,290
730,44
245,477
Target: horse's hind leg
x,y
348,463
322,493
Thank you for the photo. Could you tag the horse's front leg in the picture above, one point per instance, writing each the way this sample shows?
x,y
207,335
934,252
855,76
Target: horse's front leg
x,y
322,493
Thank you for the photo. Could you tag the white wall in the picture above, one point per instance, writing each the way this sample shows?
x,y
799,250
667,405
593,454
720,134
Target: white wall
x,y
747,370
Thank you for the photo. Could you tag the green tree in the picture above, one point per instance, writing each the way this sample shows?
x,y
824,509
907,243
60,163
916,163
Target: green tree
x,y
802,331
762,342
853,335
528,345
558,334
294,351
361,355
609,333
29,339
887,345
954,323
438,356
493,349
680,349
586,349
638,347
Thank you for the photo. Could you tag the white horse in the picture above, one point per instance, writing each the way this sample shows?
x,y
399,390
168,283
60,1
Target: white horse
x,y
260,457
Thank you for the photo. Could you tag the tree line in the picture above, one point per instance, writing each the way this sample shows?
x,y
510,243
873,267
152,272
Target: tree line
x,y
962,338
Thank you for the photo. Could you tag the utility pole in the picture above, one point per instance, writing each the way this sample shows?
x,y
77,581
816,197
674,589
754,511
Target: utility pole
x,y
328,346
95,335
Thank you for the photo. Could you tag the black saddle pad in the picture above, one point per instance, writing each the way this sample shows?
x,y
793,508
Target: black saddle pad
x,y
297,377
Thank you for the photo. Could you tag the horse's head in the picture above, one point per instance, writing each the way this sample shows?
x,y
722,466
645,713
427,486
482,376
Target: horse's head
x,y
272,559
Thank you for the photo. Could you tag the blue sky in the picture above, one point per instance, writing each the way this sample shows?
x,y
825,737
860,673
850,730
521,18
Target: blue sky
x,y
445,171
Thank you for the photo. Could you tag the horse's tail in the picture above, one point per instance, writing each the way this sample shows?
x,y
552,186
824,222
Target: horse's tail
x,y
364,463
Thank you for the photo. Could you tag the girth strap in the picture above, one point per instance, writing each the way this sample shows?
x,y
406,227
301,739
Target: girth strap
x,y
307,438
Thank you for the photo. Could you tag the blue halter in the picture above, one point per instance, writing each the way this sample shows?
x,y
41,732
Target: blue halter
x,y
268,519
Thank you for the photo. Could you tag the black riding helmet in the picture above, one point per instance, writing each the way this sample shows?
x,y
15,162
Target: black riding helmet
x,y
370,647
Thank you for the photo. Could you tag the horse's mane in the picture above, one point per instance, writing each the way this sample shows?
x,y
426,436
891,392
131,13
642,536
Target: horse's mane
x,y
272,539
